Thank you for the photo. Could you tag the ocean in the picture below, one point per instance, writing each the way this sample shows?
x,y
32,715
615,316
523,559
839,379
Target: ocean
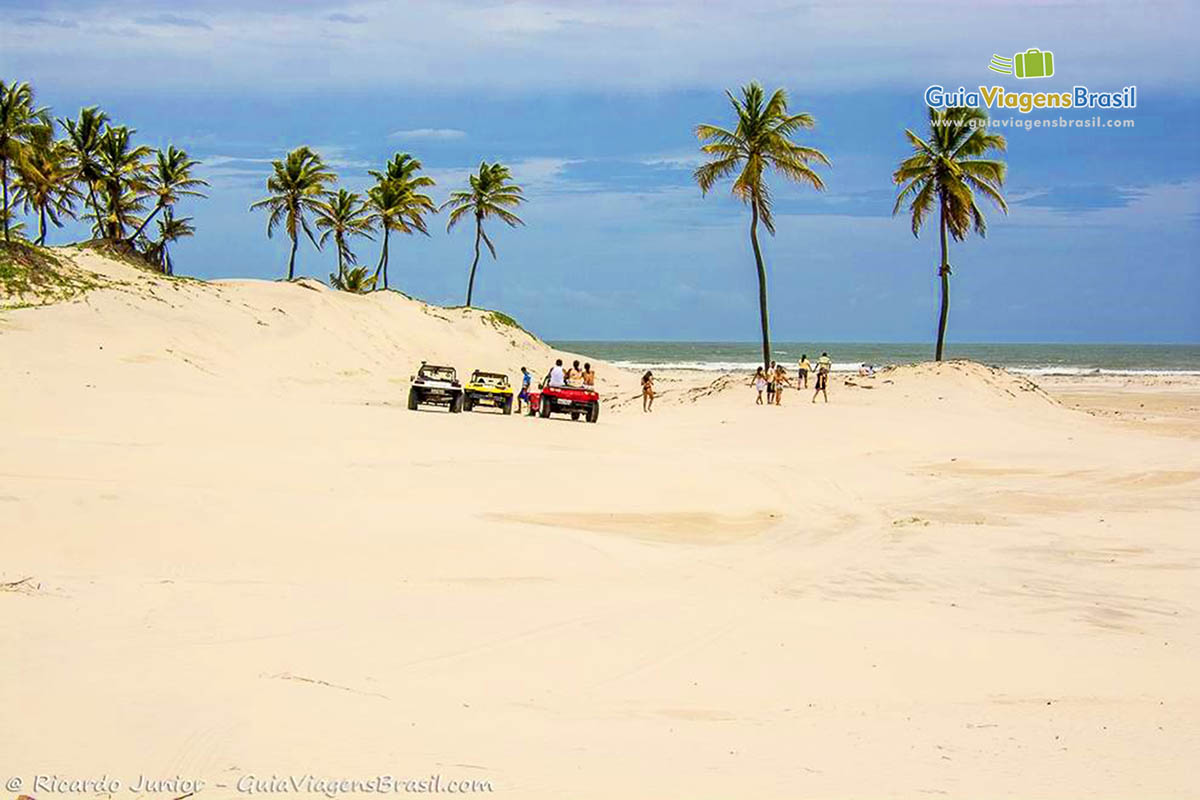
x,y
1028,359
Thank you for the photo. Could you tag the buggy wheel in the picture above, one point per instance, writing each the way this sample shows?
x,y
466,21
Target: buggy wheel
x,y
593,412
575,416
456,405
544,408
414,399
467,404
508,407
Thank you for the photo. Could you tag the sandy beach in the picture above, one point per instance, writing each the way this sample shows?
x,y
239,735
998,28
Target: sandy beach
x,y
231,553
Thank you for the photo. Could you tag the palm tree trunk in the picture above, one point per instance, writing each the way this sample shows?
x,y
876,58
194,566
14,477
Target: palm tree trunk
x,y
475,263
95,207
4,180
158,207
762,284
292,260
944,272
341,247
383,258
41,240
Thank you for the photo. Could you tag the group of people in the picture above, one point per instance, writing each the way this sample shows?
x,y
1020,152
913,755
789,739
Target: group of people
x,y
771,380
574,376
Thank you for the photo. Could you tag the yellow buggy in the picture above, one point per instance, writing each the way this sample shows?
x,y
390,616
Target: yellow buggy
x,y
488,389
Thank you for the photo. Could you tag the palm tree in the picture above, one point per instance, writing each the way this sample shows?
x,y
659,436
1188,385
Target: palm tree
x,y
355,280
343,215
46,180
761,139
170,229
949,169
491,194
18,119
170,179
83,137
296,186
16,228
123,182
397,203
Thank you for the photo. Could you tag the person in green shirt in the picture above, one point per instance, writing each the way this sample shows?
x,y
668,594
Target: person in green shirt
x,y
824,365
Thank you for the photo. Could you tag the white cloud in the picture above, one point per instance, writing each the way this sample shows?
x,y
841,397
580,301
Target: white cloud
x,y
429,134
824,45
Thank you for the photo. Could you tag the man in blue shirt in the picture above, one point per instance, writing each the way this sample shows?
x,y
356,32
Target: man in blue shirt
x,y
523,397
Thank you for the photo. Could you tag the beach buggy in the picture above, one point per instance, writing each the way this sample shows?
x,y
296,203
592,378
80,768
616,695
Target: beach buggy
x,y
578,401
488,389
435,386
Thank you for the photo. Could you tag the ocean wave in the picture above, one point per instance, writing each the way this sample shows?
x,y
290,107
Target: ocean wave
x,y
1098,371
1020,369
721,366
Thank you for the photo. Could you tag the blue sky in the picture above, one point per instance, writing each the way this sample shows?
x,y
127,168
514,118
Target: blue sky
x,y
593,106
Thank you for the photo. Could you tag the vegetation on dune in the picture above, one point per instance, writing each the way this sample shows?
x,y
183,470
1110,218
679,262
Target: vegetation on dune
x,y
500,320
761,140
32,275
947,170
491,194
356,280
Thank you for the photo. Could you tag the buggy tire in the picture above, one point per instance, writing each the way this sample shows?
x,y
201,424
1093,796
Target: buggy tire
x,y
574,416
508,407
456,405
593,412
544,408
467,404
414,399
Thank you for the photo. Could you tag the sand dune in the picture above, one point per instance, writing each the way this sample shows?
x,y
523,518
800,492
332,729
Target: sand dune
x,y
245,558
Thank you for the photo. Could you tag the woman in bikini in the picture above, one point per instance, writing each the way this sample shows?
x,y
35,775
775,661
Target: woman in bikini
x,y
781,380
648,391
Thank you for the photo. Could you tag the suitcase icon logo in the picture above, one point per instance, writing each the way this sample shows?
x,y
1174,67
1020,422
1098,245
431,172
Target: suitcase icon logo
x,y
1033,63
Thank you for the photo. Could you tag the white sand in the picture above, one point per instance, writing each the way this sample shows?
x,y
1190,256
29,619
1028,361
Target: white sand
x,y
247,558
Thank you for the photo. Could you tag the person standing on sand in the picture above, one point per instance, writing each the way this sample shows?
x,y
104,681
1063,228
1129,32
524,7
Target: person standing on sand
x,y
648,391
824,364
771,383
781,380
760,384
805,368
589,377
526,380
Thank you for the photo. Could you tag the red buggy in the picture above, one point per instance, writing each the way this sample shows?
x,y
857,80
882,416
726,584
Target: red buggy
x,y
574,400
